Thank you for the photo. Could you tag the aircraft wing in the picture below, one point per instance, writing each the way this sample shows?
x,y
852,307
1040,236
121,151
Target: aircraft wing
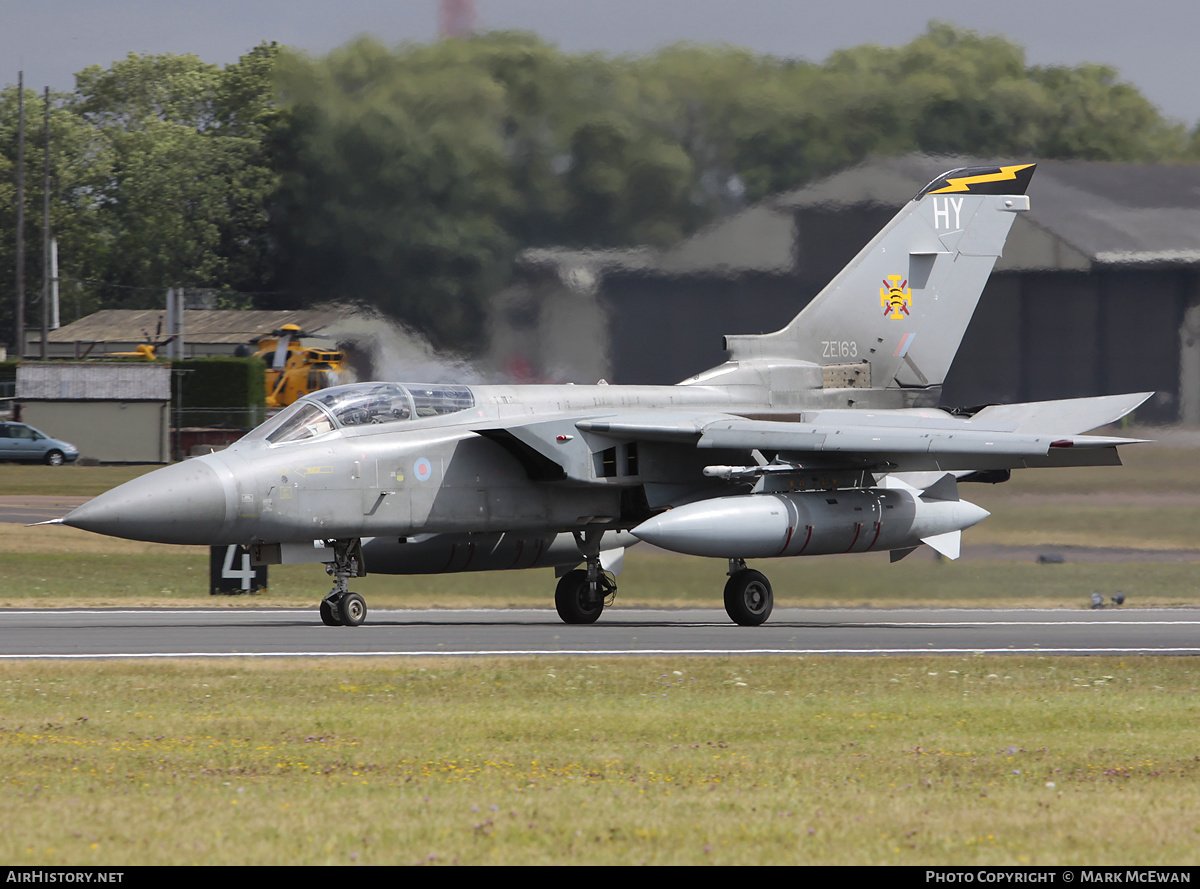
x,y
912,450
1071,415
1040,434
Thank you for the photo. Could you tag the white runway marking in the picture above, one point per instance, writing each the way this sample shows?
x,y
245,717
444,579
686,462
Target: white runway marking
x,y
614,652
113,634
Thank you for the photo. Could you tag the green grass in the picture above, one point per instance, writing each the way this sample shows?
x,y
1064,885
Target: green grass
x,y
1152,527
905,761
81,481
1148,468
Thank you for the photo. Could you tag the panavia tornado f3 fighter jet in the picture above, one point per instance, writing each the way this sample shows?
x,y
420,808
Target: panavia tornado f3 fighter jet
x,y
822,437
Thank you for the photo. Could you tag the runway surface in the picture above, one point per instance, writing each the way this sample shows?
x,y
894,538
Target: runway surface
x,y
139,633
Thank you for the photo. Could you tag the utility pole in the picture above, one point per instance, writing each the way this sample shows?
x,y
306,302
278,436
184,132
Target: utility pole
x,y
46,233
20,315
54,325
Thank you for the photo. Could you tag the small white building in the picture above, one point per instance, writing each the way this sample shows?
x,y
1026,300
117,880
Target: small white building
x,y
114,412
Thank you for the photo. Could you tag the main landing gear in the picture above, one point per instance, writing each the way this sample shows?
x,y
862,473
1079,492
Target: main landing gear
x,y
580,599
342,608
748,595
582,594
347,610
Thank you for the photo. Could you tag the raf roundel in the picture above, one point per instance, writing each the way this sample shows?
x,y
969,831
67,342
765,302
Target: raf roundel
x,y
422,470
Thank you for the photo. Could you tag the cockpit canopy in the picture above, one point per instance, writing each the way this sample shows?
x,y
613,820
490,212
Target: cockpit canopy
x,y
363,404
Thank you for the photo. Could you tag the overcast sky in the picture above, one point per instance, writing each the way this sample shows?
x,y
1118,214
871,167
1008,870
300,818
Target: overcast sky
x,y
1154,44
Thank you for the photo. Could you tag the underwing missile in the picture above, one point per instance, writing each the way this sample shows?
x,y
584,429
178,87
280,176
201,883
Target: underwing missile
x,y
811,523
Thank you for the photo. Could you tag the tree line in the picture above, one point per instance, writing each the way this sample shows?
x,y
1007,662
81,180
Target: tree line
x,y
407,178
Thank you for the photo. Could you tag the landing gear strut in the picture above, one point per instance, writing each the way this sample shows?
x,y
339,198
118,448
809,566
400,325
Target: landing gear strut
x,y
748,595
582,594
342,608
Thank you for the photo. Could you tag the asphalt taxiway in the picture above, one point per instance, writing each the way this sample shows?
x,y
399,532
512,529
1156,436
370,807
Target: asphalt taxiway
x,y
246,632
27,509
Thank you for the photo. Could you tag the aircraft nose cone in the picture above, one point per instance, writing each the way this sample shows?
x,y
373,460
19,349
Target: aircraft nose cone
x,y
183,503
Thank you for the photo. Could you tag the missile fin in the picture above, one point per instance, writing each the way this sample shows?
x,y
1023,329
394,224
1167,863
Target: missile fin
x,y
948,544
945,489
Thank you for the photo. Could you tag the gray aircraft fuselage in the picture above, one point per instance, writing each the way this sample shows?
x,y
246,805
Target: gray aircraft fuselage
x,y
458,471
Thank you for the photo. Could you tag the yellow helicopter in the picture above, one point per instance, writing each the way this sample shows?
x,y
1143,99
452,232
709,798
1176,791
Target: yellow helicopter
x,y
293,369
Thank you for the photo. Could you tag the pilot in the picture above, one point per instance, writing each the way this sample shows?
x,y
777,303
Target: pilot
x,y
355,415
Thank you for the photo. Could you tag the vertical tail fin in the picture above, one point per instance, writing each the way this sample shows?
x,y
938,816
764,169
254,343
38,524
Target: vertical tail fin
x,y
904,302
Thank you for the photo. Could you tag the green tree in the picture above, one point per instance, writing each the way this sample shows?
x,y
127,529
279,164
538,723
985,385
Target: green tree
x,y
184,201
952,91
394,184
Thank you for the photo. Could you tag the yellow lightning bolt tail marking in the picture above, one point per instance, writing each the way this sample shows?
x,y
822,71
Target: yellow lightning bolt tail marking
x,y
964,183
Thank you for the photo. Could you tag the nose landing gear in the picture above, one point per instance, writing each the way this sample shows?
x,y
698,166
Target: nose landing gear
x,y
342,608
